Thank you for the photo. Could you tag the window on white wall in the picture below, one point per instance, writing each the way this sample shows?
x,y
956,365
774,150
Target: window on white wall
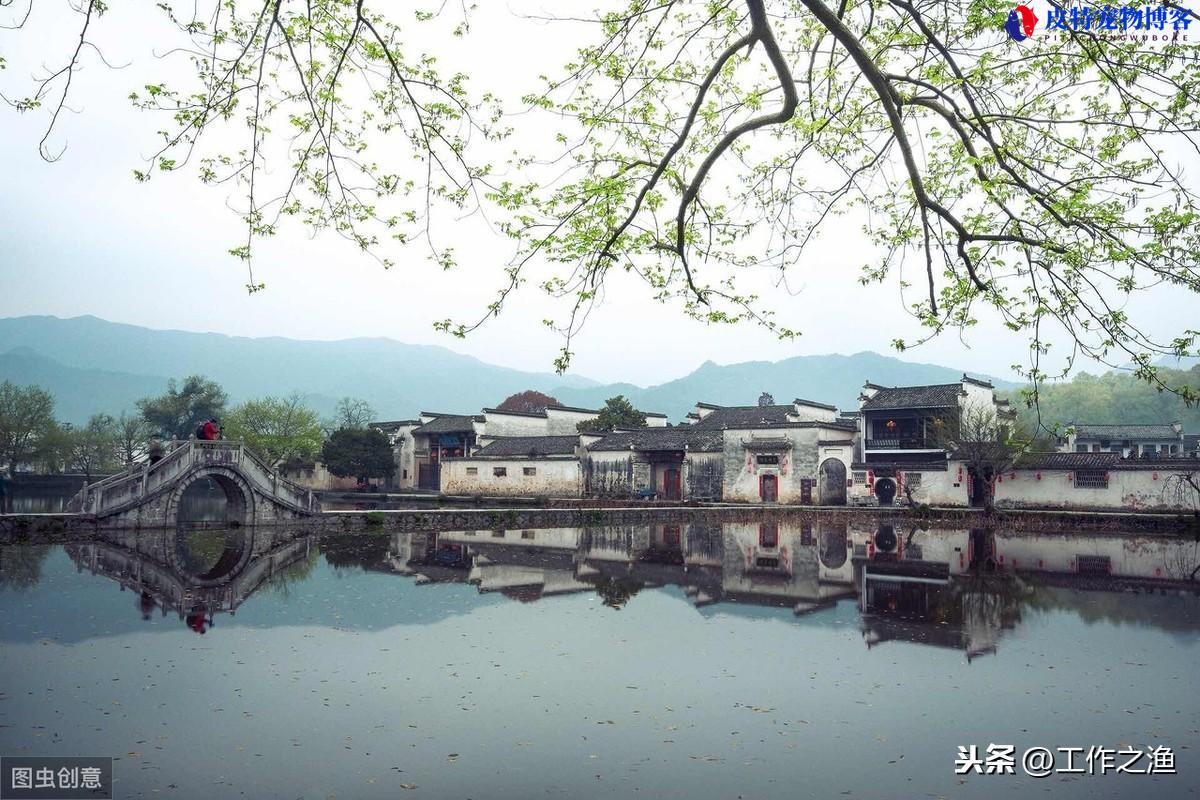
x,y
530,470
499,472
860,477
472,470
1091,479
912,480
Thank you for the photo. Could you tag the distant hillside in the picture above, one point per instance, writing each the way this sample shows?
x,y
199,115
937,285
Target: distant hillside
x,y
1114,398
78,392
397,379
92,365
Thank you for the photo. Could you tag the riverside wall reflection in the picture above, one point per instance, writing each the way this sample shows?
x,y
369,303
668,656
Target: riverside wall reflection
x,y
954,588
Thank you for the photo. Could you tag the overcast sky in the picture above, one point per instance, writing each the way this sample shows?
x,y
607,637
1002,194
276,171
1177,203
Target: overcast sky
x,y
81,237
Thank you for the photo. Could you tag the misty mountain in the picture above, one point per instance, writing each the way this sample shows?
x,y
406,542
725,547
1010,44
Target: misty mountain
x,y
93,365
397,379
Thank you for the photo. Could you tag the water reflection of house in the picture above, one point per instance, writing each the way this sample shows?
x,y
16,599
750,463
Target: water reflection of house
x,y
955,588
524,565
772,563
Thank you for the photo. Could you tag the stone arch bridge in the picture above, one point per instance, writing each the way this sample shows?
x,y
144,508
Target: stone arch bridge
x,y
148,495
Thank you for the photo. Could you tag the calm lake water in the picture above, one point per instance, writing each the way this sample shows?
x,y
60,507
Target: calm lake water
x,y
696,661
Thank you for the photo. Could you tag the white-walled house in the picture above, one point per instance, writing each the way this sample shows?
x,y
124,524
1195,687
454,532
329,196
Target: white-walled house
x,y
1153,440
677,463
1099,482
400,435
901,455
519,466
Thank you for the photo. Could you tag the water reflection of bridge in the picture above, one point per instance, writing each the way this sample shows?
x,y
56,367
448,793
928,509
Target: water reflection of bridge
x,y
194,574
960,589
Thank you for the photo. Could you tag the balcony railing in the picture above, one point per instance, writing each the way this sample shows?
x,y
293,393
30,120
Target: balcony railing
x,y
914,443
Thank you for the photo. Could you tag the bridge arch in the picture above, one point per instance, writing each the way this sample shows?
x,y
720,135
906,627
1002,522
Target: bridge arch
x,y
209,567
239,495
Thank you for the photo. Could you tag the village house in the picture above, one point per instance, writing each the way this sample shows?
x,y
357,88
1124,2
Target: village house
x,y
678,463
438,437
772,453
1152,440
1100,481
903,455
400,435
532,454
520,466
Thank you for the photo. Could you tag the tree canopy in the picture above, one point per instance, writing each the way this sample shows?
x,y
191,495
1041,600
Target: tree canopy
x,y
529,401
93,448
618,412
1035,185
1114,398
351,412
176,413
27,424
279,429
358,453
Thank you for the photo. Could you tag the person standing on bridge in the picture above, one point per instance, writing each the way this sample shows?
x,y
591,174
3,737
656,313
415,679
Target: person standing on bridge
x,y
210,430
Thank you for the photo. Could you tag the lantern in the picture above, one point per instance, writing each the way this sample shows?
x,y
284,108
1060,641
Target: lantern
x,y
890,425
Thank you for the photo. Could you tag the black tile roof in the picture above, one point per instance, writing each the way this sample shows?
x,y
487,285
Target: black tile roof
x,y
530,446
393,424
679,438
538,414
448,424
1191,441
1136,431
744,416
1068,461
801,402
943,395
573,408
1177,463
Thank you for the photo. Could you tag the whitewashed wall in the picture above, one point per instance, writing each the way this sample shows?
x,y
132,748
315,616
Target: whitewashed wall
x,y
553,477
1128,489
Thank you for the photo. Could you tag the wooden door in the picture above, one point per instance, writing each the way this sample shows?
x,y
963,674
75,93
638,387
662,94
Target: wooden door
x,y
806,487
671,487
768,488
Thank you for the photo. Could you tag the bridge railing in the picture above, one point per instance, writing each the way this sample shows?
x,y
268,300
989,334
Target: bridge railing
x,y
145,479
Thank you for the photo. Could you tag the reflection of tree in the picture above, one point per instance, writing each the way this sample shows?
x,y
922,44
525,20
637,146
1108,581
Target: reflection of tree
x,y
1183,563
21,565
296,572
1168,612
616,591
354,552
201,550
